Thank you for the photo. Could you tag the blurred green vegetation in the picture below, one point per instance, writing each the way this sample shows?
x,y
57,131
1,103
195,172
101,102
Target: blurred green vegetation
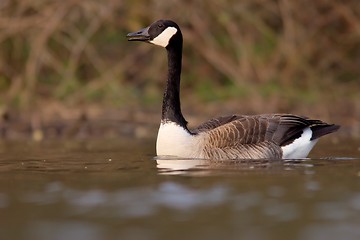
x,y
262,56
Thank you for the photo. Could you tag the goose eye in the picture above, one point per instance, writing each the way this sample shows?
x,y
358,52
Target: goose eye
x,y
160,25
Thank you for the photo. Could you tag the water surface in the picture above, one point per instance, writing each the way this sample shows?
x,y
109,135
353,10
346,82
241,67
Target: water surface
x,y
116,189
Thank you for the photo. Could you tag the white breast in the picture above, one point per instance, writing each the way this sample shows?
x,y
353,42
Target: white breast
x,y
174,140
301,147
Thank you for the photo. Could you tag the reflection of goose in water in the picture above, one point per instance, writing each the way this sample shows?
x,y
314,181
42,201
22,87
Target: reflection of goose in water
x,y
236,136
203,167
172,165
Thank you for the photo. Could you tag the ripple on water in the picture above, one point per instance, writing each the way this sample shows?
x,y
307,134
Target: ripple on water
x,y
4,200
59,230
331,231
131,202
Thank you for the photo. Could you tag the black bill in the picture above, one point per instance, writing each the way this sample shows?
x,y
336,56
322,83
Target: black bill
x,y
141,35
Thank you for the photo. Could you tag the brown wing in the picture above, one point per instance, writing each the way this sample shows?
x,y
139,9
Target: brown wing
x,y
279,129
239,136
216,122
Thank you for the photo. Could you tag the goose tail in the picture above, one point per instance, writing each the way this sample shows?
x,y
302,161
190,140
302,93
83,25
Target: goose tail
x,y
323,129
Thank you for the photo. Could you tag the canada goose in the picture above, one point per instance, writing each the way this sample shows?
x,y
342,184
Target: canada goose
x,y
229,137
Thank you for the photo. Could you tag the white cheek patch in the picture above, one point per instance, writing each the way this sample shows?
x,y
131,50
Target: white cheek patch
x,y
163,38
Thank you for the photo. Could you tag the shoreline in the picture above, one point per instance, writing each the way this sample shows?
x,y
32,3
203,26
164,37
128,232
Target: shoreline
x,y
56,122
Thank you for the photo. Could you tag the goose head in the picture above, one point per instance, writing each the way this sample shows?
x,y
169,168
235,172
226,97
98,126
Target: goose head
x,y
164,33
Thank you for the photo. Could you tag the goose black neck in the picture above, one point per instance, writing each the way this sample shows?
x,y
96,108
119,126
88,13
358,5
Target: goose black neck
x,y
171,109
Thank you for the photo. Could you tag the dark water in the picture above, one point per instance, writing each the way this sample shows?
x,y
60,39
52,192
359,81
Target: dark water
x,y
115,190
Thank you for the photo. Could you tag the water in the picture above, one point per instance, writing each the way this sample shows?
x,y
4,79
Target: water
x,y
115,189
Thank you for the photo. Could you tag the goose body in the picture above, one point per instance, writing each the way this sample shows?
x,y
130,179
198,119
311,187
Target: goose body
x,y
229,137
